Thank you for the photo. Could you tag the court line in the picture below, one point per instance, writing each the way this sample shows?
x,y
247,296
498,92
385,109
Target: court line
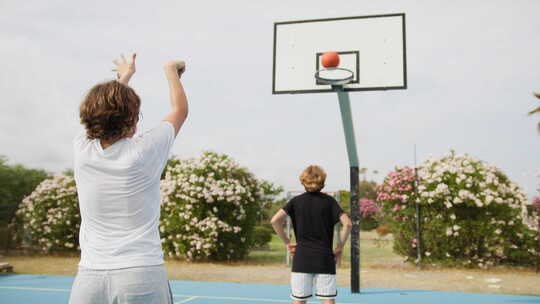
x,y
186,300
191,297
236,298
35,288
251,299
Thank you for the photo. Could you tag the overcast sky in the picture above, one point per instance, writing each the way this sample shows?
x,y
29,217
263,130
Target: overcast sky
x,y
472,68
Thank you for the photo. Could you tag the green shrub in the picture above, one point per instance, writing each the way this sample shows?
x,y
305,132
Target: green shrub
x,y
472,214
210,206
262,235
16,182
368,224
268,226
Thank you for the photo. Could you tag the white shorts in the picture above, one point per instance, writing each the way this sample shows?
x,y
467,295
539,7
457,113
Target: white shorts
x,y
302,286
134,285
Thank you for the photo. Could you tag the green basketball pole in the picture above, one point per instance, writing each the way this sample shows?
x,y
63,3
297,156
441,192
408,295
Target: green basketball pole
x,y
348,128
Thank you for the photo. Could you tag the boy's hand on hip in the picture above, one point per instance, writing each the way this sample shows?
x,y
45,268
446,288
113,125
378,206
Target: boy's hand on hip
x,y
292,248
337,253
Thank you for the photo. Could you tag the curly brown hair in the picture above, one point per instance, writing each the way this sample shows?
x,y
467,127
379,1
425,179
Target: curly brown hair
x,y
110,111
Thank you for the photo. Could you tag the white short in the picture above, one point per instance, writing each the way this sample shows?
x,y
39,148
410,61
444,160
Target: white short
x,y
129,285
302,286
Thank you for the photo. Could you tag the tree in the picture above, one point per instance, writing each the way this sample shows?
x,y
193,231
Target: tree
x,y
363,172
366,190
15,183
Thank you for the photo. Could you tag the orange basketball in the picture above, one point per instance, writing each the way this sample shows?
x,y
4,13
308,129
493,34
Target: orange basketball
x,y
330,60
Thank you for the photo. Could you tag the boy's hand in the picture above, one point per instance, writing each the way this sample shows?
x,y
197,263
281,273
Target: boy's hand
x,y
124,69
292,248
177,66
337,254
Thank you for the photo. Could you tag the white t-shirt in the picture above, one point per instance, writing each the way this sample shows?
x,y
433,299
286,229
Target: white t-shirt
x,y
119,198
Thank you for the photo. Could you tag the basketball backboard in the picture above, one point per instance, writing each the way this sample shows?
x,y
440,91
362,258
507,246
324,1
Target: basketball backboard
x,y
373,47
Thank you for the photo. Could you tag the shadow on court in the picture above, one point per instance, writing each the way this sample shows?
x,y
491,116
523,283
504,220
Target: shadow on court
x,y
55,289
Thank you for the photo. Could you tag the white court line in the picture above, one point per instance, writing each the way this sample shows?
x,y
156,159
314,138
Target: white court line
x,y
253,299
186,300
34,288
235,298
191,297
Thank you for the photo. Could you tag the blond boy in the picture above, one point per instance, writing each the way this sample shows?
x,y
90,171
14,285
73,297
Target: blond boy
x,y
313,215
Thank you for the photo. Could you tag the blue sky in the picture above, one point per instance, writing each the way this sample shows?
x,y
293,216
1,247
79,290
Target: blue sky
x,y
472,68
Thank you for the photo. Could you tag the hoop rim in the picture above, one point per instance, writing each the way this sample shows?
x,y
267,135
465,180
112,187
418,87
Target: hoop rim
x,y
338,81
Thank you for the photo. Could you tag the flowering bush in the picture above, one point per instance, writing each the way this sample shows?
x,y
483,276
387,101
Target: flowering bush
x,y
209,208
368,212
472,214
49,216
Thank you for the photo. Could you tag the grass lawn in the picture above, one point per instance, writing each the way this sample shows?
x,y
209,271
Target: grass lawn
x,y
373,251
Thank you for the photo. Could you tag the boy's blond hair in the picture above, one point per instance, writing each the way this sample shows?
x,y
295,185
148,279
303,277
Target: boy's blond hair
x,y
313,178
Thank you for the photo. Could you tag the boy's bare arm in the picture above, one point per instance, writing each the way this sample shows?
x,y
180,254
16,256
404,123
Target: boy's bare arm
x,y
345,230
344,233
179,104
277,223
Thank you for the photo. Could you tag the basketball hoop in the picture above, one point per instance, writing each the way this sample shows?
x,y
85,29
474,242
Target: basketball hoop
x,y
334,76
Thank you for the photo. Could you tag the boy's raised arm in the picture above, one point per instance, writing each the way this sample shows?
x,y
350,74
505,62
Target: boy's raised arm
x,y
179,105
124,69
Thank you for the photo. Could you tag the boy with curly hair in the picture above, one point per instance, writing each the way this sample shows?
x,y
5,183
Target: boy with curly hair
x,y
117,175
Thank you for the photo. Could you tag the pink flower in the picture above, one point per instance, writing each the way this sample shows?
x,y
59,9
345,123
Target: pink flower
x,y
368,208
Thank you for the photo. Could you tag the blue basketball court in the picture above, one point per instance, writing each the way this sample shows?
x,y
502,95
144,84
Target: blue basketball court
x,y
55,289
